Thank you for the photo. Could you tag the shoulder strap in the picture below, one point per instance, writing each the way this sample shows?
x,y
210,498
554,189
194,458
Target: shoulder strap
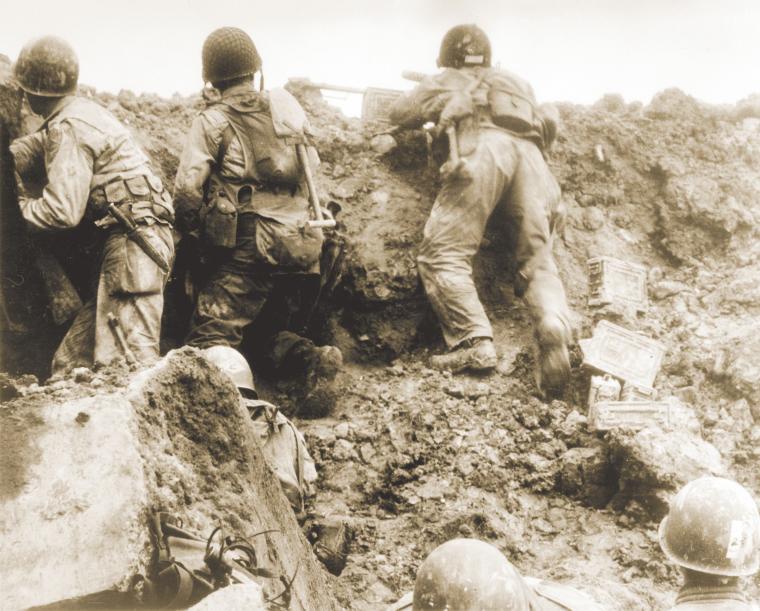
x,y
227,136
238,128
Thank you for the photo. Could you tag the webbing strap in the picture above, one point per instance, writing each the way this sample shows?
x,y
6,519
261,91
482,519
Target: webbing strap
x,y
183,579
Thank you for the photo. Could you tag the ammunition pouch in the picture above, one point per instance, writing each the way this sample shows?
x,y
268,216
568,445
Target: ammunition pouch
x,y
219,217
145,195
283,235
511,110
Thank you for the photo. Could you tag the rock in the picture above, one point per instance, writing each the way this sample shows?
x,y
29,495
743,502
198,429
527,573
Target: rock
x,y
455,389
651,464
342,430
236,597
593,218
573,428
379,198
383,143
742,415
80,479
742,367
348,188
343,450
73,503
82,374
666,288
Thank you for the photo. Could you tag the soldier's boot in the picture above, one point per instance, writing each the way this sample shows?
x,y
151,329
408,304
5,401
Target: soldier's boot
x,y
477,355
320,388
552,372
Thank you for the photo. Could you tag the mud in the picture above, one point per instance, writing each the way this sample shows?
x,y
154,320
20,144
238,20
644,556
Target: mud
x,y
412,457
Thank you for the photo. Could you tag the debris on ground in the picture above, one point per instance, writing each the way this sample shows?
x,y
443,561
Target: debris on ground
x,y
412,457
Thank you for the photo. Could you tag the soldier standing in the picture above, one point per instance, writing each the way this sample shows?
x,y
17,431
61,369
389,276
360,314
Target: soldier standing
x,y
240,189
497,136
712,532
96,174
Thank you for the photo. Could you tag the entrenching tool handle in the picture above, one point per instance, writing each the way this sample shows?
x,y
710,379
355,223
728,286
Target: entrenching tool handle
x,y
409,75
451,132
320,220
121,341
130,229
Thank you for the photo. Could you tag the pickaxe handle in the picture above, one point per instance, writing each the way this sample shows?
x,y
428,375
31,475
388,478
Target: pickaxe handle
x,y
320,220
451,132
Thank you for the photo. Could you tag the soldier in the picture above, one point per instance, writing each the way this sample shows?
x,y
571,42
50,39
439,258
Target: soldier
x,y
469,575
95,175
240,189
713,533
497,136
282,443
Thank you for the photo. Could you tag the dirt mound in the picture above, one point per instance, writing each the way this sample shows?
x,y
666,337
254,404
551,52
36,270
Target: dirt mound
x,y
413,457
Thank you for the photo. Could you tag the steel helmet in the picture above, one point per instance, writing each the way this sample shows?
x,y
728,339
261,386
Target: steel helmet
x,y
713,526
234,364
229,53
468,575
47,67
465,45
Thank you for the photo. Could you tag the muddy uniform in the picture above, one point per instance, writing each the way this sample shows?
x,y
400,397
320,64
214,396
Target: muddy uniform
x,y
713,599
91,160
229,190
507,172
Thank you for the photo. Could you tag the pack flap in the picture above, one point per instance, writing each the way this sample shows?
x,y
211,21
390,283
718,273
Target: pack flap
x,y
288,117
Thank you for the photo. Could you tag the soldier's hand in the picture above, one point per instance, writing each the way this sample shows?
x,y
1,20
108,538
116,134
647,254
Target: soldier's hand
x,y
29,156
458,107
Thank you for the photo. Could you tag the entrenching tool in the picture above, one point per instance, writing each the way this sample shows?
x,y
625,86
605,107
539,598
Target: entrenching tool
x,y
320,220
290,124
455,166
121,341
130,228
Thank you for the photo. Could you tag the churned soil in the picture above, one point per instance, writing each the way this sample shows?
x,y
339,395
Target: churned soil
x,y
410,456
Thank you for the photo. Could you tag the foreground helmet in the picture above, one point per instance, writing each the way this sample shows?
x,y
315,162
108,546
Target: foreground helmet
x,y
465,45
229,53
467,574
234,364
47,67
713,527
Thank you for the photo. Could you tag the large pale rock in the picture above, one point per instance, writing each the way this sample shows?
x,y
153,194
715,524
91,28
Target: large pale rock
x,y
74,498
81,478
652,464
239,597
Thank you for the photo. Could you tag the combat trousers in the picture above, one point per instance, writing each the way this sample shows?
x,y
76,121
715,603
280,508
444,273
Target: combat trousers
x,y
236,294
130,286
509,175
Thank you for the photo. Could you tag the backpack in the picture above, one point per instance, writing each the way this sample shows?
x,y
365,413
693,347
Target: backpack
x,y
285,451
187,568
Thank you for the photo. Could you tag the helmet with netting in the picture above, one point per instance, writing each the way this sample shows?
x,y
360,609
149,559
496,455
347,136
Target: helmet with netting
x,y
229,53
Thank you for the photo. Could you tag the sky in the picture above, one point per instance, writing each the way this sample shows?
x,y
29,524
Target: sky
x,y
570,50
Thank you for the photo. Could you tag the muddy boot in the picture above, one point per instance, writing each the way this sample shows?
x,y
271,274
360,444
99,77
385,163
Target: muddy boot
x,y
331,539
478,355
552,358
320,388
